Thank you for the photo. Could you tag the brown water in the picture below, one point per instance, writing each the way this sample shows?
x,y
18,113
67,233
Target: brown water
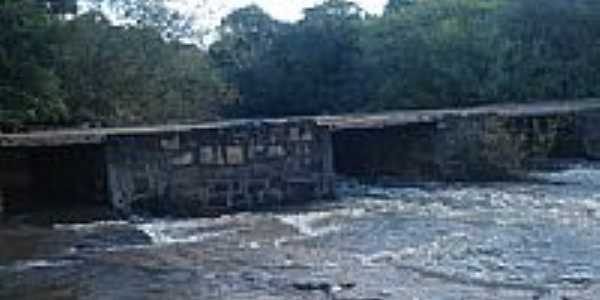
x,y
435,241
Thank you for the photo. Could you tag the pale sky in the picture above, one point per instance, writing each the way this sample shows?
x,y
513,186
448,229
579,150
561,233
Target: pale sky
x,y
210,11
292,9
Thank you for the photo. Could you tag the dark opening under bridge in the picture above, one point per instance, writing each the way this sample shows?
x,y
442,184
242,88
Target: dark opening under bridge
x,y
241,164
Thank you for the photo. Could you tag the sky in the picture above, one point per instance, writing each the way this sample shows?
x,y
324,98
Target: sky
x,y
292,9
212,11
207,14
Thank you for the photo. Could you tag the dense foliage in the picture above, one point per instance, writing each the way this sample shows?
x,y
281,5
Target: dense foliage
x,y
131,75
29,88
419,54
59,69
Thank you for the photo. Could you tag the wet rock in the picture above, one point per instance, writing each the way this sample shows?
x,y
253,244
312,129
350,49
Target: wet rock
x,y
359,299
324,287
342,287
102,239
313,286
577,280
347,285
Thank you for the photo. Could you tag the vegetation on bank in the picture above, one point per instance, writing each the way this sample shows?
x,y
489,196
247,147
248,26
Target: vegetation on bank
x,y
85,70
62,70
419,54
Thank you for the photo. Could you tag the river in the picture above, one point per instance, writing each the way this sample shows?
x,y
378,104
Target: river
x,y
528,240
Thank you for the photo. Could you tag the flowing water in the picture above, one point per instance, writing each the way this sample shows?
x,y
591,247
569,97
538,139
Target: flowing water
x,y
534,240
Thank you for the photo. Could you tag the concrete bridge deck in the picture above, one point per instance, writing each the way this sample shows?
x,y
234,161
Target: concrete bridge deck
x,y
339,122
395,118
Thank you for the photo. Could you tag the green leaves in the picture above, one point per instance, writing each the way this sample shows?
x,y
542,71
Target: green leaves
x,y
419,54
131,75
29,89
292,69
337,59
59,72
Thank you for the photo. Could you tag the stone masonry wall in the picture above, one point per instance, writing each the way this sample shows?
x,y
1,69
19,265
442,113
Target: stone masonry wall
x,y
492,147
459,148
207,170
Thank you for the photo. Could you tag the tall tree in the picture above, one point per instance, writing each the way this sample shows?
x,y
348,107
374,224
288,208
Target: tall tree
x,y
432,54
302,68
246,36
132,75
29,89
158,14
395,5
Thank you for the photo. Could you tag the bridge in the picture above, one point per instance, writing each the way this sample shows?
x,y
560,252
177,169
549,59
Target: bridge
x,y
243,164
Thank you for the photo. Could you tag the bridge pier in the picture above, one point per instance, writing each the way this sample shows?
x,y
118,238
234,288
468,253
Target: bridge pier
x,y
219,169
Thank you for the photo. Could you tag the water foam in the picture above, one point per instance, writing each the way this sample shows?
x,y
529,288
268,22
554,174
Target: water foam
x,y
26,265
90,226
188,231
316,224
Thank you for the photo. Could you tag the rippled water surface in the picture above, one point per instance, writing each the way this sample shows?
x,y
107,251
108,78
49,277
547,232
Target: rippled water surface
x,y
435,241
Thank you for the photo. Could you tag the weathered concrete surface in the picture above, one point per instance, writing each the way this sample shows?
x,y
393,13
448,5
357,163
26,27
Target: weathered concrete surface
x,y
341,122
398,118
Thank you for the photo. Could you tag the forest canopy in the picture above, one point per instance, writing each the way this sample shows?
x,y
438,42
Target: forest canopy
x,y
67,70
419,54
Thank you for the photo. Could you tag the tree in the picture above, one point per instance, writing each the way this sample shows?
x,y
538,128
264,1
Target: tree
x,y
62,6
432,54
172,24
332,68
247,35
278,68
553,48
29,89
131,75
395,5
